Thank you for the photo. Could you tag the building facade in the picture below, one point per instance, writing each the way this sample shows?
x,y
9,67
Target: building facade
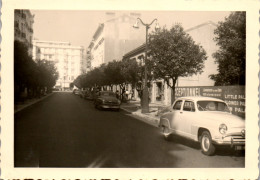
x,y
202,34
23,28
114,38
67,58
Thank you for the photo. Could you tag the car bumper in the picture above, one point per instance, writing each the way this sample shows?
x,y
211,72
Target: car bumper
x,y
231,140
110,106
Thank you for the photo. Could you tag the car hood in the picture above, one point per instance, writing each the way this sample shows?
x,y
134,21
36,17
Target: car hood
x,y
223,117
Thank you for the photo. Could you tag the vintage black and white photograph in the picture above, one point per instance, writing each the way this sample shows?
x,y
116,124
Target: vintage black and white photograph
x,y
109,91
131,88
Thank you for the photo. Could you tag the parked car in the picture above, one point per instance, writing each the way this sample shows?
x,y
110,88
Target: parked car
x,y
205,120
89,95
76,91
107,99
82,93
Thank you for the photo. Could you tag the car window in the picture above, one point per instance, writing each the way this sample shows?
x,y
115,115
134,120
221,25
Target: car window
x,y
107,94
177,105
112,94
212,106
189,106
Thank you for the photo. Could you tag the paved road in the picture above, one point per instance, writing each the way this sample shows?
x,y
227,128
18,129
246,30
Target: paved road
x,y
64,130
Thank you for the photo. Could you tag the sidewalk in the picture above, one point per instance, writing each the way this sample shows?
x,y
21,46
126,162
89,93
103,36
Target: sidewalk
x,y
153,117
21,105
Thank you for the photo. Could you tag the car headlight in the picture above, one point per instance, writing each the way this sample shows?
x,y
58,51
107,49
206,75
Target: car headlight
x,y
222,128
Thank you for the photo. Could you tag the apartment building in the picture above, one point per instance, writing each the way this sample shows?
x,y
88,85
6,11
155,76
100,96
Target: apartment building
x,y
114,38
23,27
67,58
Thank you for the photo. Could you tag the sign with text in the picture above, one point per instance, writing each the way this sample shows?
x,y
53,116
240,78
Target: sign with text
x,y
234,96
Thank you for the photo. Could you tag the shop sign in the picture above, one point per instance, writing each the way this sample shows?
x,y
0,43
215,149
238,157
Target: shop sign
x,y
234,96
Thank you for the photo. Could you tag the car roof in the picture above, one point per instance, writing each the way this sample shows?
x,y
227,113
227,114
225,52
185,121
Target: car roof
x,y
200,98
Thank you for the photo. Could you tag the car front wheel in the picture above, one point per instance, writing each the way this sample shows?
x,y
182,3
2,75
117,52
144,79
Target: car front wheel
x,y
206,144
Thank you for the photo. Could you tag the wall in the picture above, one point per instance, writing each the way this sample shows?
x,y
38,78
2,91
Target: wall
x,y
203,35
121,37
98,49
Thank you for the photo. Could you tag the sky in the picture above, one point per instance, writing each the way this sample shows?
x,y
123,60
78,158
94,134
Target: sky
x,y
78,26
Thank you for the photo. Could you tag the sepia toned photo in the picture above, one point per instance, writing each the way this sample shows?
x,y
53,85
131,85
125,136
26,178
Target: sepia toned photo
x,y
98,91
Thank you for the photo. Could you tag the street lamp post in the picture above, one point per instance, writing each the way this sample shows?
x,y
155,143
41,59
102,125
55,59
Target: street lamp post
x,y
145,94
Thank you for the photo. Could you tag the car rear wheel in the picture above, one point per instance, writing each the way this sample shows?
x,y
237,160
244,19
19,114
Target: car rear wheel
x,y
165,131
207,147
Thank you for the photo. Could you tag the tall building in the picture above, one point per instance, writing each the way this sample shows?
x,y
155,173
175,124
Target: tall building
x,y
88,60
67,58
23,27
114,38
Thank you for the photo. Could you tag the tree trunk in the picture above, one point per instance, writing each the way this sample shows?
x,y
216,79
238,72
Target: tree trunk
x,y
173,90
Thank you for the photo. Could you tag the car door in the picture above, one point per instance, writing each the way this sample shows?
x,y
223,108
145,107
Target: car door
x,y
175,118
188,115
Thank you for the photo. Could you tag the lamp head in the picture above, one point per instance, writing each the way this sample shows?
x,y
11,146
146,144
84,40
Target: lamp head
x,y
136,25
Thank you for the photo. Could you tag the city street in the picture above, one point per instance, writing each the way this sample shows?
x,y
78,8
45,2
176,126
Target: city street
x,y
64,130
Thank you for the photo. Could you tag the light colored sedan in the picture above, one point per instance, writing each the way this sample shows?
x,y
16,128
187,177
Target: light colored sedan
x,y
206,120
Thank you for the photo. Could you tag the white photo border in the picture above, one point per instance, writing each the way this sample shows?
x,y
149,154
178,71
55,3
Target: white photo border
x,y
251,170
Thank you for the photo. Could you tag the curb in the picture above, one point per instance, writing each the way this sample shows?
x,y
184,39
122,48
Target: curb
x,y
145,118
31,103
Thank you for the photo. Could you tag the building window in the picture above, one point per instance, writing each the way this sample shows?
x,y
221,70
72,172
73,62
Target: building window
x,y
23,15
16,24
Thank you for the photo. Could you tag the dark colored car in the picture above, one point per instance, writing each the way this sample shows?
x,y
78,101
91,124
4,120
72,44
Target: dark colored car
x,y
76,91
82,93
107,100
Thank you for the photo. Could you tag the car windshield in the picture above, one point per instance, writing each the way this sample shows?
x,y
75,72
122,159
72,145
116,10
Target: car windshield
x,y
212,106
107,94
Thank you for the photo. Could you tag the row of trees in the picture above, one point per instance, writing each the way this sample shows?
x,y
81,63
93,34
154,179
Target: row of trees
x,y
173,54
31,78
118,73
